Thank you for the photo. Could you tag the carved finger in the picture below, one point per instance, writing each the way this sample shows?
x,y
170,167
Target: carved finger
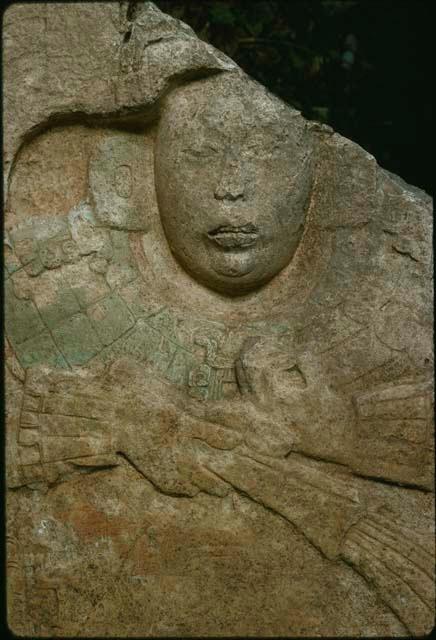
x,y
214,434
210,483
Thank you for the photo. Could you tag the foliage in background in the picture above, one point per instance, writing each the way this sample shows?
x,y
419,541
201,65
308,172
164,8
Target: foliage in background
x,y
359,65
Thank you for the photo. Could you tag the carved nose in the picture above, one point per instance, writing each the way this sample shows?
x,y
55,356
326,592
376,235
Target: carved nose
x,y
231,186
226,193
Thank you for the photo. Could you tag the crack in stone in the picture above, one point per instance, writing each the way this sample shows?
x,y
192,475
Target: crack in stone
x,y
394,483
270,509
405,253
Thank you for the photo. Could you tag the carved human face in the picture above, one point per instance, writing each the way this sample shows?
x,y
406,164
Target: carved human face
x,y
232,179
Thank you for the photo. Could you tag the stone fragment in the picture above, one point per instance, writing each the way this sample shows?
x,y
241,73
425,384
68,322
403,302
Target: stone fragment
x,y
219,357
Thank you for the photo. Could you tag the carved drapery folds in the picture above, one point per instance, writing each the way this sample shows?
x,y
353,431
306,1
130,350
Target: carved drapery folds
x,y
219,354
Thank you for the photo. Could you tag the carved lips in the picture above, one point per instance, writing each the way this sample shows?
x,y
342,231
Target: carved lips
x,y
234,236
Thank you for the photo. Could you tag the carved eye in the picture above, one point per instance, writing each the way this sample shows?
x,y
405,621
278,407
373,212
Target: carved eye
x,y
201,151
265,147
264,150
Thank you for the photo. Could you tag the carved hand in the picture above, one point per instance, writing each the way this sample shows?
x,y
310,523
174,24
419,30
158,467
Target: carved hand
x,y
72,421
279,411
162,443
64,426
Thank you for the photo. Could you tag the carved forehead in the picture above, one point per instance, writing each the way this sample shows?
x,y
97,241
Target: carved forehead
x,y
227,100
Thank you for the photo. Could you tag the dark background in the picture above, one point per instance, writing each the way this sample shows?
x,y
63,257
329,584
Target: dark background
x,y
362,66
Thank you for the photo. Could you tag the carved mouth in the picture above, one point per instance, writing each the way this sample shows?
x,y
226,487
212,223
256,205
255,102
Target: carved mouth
x,y
234,236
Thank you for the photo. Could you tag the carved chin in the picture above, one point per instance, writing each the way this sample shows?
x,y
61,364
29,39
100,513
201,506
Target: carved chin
x,y
233,265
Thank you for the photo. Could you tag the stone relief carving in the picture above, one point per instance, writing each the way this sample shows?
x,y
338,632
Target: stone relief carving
x,y
251,157
219,358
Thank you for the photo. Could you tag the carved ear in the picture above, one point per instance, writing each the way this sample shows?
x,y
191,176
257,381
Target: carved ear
x,y
121,180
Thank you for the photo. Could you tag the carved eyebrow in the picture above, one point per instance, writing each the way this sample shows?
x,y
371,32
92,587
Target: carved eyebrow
x,y
201,145
269,143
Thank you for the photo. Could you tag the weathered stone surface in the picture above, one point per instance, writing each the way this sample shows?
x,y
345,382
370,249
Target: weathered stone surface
x,y
219,352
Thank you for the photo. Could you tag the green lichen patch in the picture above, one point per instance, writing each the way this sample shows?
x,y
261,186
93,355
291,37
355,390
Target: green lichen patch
x,y
110,318
12,262
65,306
22,320
181,364
40,349
77,339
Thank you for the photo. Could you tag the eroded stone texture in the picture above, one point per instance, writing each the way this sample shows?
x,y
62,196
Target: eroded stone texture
x,y
218,346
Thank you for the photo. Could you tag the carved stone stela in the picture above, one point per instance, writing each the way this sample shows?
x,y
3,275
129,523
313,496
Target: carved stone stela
x,y
219,362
